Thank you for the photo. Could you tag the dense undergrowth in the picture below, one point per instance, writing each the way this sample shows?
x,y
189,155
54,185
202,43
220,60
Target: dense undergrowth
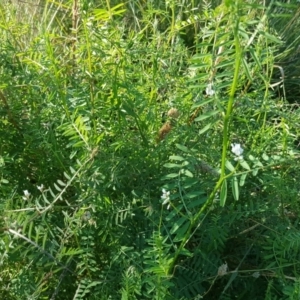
x,y
149,150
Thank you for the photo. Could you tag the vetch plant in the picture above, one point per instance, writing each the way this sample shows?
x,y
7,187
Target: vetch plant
x,y
131,243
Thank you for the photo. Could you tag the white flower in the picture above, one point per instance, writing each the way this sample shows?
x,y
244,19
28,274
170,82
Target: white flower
x,y
237,150
223,269
165,194
40,188
86,216
209,90
166,197
26,195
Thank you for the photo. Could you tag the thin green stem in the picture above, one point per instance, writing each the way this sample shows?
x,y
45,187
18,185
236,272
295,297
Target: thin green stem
x,y
224,151
192,225
228,113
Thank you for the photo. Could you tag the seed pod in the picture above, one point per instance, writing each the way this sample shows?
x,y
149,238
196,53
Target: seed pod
x,y
164,130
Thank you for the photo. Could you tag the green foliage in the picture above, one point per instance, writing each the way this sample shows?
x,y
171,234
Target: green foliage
x,y
148,150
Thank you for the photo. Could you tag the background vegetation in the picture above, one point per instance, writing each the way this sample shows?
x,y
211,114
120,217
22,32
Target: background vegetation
x,y
117,175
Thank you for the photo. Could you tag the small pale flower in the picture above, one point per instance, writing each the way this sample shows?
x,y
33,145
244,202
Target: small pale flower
x,y
209,90
40,187
237,150
86,216
166,197
223,270
165,194
26,195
